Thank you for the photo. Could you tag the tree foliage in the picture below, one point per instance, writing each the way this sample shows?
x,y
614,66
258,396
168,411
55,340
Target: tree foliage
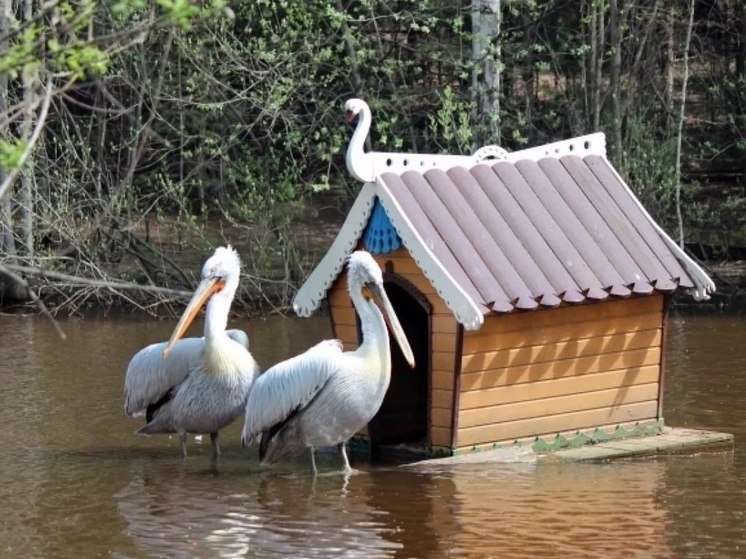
x,y
175,115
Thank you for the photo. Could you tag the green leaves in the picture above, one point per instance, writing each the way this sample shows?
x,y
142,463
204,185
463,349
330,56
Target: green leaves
x,y
240,106
79,60
60,45
452,121
10,153
20,54
179,12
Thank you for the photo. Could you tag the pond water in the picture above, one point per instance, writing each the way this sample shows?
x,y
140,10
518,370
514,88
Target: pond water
x,y
76,482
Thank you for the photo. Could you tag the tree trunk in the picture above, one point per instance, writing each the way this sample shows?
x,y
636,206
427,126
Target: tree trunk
x,y
615,73
636,81
485,18
740,10
682,113
30,82
9,286
594,69
670,57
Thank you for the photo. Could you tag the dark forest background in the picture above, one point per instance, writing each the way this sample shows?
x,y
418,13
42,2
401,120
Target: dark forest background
x,y
136,135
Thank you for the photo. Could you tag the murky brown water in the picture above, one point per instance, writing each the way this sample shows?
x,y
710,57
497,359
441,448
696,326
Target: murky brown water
x,y
76,482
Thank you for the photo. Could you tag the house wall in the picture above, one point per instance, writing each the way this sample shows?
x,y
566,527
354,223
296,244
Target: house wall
x,y
562,369
443,340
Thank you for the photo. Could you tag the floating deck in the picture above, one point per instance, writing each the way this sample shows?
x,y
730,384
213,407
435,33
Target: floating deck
x,y
672,440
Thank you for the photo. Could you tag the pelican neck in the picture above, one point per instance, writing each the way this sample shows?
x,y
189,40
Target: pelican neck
x,y
216,316
372,323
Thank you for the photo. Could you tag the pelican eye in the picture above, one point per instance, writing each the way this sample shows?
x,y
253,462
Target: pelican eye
x,y
367,290
219,283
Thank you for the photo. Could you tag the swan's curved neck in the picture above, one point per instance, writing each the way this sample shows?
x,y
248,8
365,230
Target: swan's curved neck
x,y
358,164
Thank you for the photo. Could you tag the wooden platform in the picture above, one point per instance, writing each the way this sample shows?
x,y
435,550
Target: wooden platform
x,y
672,440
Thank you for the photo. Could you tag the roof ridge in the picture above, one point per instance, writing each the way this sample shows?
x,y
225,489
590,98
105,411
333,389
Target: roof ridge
x,y
367,165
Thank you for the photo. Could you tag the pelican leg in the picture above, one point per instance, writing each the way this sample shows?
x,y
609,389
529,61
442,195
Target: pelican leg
x,y
215,444
343,449
313,461
182,440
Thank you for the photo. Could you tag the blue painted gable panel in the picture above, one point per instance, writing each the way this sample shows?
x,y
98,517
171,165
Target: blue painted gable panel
x,y
380,237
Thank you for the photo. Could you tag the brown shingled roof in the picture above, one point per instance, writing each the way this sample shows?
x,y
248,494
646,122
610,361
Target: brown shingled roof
x,y
534,228
537,233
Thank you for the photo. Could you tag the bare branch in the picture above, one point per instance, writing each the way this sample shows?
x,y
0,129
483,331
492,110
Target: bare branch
x,y
13,175
108,284
45,311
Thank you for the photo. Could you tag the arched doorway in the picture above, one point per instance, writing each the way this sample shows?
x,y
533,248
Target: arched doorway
x,y
403,417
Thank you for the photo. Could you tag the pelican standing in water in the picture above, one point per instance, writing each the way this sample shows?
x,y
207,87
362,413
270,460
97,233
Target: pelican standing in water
x,y
324,396
195,385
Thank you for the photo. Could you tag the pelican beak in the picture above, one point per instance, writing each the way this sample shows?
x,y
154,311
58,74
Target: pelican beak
x,y
382,300
204,291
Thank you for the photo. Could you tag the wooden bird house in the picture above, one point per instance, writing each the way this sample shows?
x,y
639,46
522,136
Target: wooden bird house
x,y
533,287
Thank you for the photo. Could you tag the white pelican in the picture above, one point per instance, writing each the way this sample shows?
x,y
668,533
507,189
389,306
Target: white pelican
x,y
324,396
195,385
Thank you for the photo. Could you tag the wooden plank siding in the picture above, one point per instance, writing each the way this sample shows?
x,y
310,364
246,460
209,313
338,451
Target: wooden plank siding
x,y
572,331
546,424
559,405
342,314
575,367
568,366
585,383
530,373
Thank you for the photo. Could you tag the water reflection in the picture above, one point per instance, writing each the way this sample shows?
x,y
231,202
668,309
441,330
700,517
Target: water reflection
x,y
518,511
187,514
75,481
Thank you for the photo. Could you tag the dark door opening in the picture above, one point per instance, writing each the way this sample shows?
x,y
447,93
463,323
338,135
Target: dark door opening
x,y
404,413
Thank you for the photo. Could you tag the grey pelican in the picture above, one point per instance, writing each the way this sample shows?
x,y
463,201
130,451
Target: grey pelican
x,y
195,385
324,396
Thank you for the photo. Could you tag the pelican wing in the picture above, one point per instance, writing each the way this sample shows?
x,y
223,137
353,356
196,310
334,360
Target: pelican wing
x,y
150,376
288,387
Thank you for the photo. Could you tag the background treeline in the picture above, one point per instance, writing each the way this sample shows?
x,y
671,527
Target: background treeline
x,y
136,134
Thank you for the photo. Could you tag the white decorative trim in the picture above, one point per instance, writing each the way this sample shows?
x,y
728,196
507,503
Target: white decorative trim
x,y
384,162
490,153
465,309
314,290
590,144
366,166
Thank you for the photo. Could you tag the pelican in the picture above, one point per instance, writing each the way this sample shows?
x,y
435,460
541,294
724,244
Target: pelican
x,y
195,385
324,396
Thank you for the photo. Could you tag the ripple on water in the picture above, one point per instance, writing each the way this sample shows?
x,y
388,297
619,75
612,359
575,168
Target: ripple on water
x,y
278,516
76,482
